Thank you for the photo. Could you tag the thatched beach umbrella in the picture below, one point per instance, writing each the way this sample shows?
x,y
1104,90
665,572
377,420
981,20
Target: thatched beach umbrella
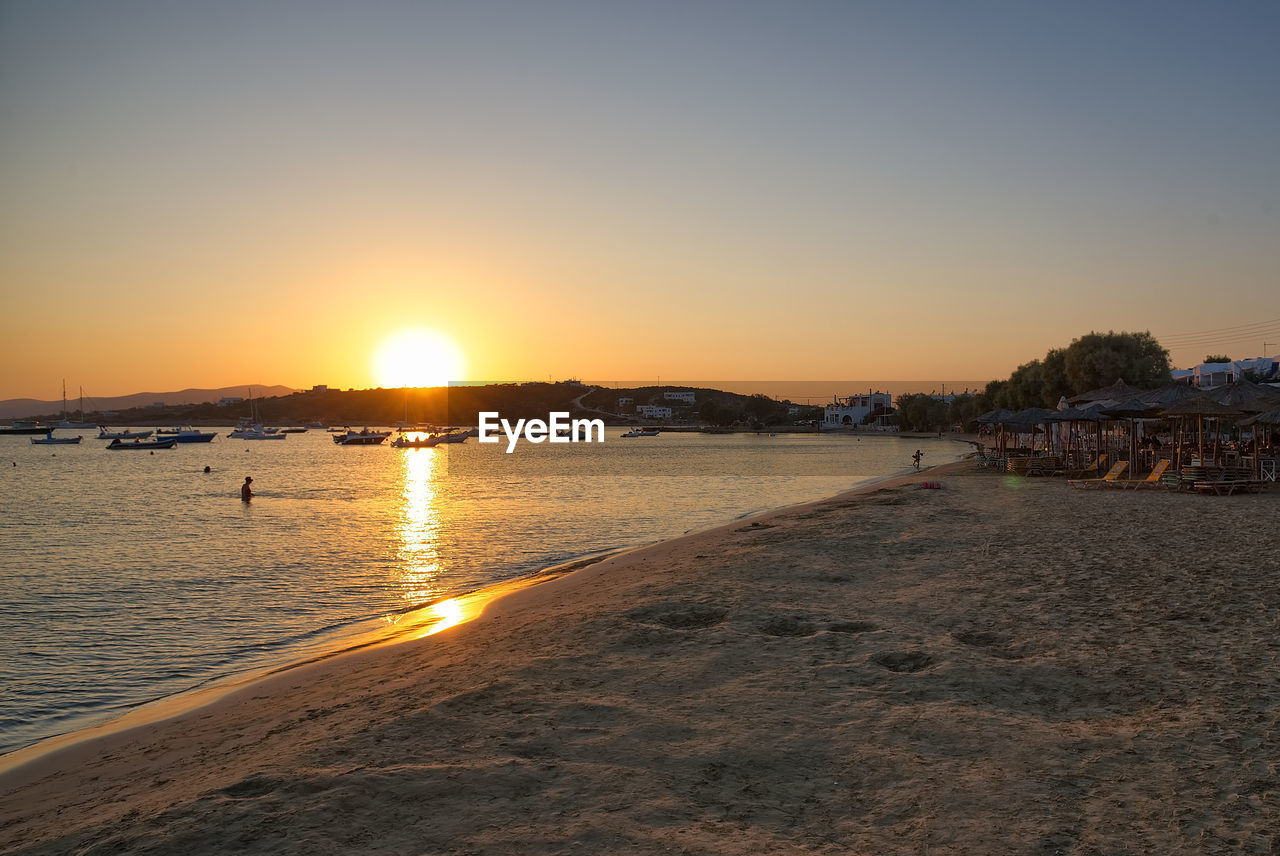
x,y
996,417
1202,406
1246,396
1117,391
1089,414
1131,410
1027,421
1270,417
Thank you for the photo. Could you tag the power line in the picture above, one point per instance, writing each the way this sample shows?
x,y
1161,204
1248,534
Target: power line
x,y
1255,328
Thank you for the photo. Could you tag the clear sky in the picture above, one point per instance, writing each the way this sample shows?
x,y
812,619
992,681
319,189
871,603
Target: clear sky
x,y
207,194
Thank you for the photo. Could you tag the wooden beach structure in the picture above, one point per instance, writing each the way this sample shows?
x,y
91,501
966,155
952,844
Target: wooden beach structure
x,y
1220,441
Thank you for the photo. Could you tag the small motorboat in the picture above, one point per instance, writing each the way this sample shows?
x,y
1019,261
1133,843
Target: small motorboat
x,y
454,437
166,443
26,428
642,432
50,440
105,434
187,434
363,437
256,432
403,442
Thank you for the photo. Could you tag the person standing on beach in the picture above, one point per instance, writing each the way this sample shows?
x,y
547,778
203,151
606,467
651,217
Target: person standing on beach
x,y
915,459
246,492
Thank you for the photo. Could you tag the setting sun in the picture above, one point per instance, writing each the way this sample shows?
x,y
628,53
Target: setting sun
x,y
417,358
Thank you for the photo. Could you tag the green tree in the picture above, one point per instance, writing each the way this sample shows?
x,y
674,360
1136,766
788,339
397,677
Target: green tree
x,y
763,410
1099,359
1217,358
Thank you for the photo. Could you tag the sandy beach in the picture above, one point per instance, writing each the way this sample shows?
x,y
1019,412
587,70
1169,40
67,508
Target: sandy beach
x,y
1000,665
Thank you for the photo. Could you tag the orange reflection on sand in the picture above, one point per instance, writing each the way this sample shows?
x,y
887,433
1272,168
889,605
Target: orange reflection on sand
x,y
419,527
445,614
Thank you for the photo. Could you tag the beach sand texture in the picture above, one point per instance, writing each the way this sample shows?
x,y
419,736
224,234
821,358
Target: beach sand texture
x,y
999,666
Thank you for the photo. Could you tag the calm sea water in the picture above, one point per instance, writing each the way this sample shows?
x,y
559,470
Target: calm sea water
x,y
128,576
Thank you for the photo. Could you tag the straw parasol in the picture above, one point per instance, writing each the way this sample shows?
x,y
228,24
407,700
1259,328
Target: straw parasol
x,y
1246,396
1201,406
1117,391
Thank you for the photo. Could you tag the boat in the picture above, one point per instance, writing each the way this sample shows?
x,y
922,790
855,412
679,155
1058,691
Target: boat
x,y
26,428
252,428
454,437
247,431
166,443
64,422
187,434
293,430
642,432
406,442
104,434
363,437
403,442
50,440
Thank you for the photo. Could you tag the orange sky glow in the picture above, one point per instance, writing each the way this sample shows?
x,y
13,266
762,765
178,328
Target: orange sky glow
x,y
206,197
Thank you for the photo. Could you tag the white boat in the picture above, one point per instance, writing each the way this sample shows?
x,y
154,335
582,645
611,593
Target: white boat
x,y
187,434
363,437
255,432
406,442
50,440
104,434
454,437
642,432
252,428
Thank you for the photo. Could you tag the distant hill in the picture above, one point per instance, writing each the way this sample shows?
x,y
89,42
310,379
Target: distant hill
x,y
27,408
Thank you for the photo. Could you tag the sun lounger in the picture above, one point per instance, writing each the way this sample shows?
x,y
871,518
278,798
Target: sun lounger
x,y
1091,470
1153,478
1226,487
1111,476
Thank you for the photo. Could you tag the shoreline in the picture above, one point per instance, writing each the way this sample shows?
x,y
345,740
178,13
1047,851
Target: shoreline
x,y
424,620
1001,665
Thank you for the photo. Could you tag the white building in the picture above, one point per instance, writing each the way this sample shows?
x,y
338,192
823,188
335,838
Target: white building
x,y
624,401
1210,375
687,397
649,411
851,410
227,401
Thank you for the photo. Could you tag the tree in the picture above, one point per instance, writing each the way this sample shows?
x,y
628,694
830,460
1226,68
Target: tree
x,y
714,413
1217,358
1099,359
763,410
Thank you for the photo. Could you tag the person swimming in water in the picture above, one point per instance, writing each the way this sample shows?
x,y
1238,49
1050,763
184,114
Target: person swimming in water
x,y
246,492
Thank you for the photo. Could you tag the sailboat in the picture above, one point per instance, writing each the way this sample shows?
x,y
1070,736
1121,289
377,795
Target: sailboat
x,y
66,423
252,428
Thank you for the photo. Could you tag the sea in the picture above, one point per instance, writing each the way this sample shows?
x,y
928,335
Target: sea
x,y
128,577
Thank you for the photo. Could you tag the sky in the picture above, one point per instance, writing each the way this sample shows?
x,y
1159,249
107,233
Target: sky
x,y
210,194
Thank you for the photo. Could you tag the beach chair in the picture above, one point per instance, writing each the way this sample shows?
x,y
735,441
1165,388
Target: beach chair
x,y
1153,478
1096,466
1111,476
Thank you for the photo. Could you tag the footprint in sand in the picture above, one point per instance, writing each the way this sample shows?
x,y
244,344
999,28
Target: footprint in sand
x,y
852,627
903,661
786,625
682,617
995,644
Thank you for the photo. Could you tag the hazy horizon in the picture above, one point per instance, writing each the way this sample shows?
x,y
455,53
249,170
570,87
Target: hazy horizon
x,y
200,193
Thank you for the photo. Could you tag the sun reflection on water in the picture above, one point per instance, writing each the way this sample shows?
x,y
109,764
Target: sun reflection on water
x,y
418,566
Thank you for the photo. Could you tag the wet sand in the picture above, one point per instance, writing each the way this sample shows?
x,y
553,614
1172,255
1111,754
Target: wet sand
x,y
1001,665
